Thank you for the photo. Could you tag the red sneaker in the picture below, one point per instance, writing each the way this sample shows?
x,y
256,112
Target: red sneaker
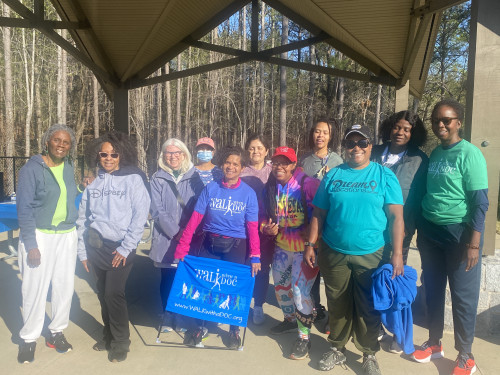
x,y
465,364
428,352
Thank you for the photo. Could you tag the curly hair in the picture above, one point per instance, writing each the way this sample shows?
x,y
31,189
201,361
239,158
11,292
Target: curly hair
x,y
257,137
334,129
122,144
54,129
232,150
452,103
418,130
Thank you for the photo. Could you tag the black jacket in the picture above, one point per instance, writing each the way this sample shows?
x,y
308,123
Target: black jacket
x,y
411,172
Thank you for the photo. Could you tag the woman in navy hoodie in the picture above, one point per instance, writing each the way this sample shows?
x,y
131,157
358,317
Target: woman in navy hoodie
x,y
111,220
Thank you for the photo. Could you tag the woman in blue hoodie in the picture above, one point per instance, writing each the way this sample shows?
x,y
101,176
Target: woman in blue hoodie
x,y
111,220
47,240
175,187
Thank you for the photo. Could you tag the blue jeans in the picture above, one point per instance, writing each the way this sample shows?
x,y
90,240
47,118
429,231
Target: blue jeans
x,y
442,249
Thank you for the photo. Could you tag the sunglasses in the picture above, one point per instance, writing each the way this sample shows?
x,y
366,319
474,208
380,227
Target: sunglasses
x,y
445,120
362,143
104,155
173,153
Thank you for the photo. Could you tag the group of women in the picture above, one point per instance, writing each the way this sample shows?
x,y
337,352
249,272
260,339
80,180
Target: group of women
x,y
343,218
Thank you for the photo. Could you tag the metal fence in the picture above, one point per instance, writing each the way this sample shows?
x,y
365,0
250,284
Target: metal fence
x,y
9,173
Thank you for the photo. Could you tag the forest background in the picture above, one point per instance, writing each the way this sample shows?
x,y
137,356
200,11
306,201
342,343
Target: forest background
x,y
40,85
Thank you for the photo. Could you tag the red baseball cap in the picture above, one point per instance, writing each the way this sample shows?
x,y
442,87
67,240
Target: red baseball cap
x,y
206,141
287,152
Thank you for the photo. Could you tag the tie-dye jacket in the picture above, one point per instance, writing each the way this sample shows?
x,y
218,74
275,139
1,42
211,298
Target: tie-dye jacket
x,y
290,210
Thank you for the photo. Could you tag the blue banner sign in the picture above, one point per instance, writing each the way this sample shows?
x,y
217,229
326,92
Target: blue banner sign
x,y
213,290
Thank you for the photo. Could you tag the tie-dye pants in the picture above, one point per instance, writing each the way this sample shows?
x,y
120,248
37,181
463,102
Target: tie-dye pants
x,y
293,280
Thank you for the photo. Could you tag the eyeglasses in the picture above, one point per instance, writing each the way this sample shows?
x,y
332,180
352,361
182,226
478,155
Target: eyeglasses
x,y
173,153
362,143
281,163
445,120
104,155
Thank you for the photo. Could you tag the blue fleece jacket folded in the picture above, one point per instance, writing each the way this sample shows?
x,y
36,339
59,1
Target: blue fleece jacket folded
x,y
393,298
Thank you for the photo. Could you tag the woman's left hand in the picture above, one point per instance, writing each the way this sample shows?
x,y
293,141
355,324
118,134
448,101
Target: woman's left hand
x,y
397,265
118,259
255,269
472,255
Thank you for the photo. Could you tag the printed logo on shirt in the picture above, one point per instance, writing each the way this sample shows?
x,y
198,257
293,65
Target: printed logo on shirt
x,y
227,206
441,167
95,193
354,187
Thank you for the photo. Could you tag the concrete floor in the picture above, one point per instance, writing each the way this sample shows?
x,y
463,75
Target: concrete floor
x,y
262,354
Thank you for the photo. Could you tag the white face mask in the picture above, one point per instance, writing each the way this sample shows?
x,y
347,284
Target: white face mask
x,y
204,155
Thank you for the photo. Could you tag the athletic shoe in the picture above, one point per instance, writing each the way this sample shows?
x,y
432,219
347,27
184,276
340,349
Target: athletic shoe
x,y
300,349
234,339
284,327
332,358
167,323
428,352
58,342
381,333
465,364
370,365
258,315
101,346
395,348
195,337
320,312
26,352
117,355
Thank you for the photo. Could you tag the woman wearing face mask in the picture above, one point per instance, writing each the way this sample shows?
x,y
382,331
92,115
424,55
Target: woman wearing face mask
x,y
288,198
113,211
175,187
205,149
256,175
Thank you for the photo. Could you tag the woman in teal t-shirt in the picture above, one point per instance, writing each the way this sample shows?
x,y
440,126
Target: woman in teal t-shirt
x,y
355,204
449,236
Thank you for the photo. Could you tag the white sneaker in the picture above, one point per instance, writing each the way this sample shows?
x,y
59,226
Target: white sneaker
x,y
258,315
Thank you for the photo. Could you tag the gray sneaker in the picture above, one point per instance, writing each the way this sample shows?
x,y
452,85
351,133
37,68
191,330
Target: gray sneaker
x,y
332,358
370,365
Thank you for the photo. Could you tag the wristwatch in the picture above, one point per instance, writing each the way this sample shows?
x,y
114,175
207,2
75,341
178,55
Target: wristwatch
x,y
307,243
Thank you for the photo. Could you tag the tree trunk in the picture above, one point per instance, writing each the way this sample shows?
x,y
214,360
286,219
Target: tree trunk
x,y
262,96
284,40
95,96
38,116
29,77
168,103
9,105
312,88
377,113
178,98
62,83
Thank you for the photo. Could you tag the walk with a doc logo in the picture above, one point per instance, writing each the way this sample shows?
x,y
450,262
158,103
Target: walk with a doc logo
x,y
213,290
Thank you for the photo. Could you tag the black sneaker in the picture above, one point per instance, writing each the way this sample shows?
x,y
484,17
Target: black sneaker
x,y
59,343
332,358
26,352
234,339
284,327
320,312
370,365
300,349
116,356
194,337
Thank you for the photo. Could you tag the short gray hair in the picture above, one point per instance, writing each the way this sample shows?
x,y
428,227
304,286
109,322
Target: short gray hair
x,y
54,129
186,164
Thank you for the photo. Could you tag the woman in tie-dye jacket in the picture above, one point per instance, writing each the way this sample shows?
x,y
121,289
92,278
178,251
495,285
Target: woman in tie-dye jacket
x,y
289,193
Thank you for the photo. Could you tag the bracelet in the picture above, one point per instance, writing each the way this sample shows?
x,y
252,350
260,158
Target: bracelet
x,y
307,243
254,260
475,247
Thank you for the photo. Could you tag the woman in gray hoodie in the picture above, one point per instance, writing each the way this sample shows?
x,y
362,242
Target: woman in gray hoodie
x,y
175,187
113,211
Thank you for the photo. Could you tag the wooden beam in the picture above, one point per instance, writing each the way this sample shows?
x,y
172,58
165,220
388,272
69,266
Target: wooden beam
x,y
433,6
37,23
415,47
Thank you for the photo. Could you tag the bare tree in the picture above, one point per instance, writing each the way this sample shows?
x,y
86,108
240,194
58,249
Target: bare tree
x,y
95,97
62,83
284,55
9,103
